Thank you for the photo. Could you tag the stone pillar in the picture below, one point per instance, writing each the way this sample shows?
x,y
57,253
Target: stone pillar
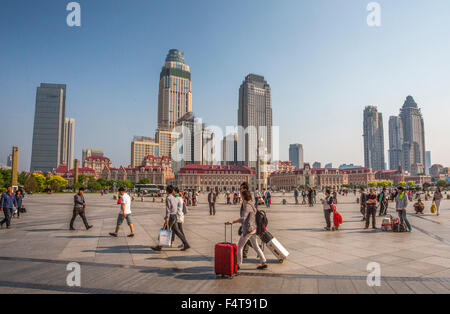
x,y
15,168
75,171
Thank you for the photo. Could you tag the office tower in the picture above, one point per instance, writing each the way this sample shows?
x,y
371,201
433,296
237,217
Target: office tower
x,y
89,152
175,96
142,147
9,160
317,165
296,155
68,142
254,118
428,163
329,166
395,143
413,134
373,138
48,132
230,149
197,142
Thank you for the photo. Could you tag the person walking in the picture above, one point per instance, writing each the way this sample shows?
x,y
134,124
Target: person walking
x,y
257,196
371,209
79,208
248,222
212,198
437,199
327,202
170,219
362,203
304,197
8,203
181,212
124,213
268,198
19,201
401,203
296,194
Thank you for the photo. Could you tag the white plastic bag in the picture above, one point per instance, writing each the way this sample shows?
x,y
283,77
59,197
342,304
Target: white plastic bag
x,y
165,238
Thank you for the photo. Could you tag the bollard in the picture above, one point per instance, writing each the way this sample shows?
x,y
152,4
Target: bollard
x,y
357,200
142,199
154,200
284,201
162,200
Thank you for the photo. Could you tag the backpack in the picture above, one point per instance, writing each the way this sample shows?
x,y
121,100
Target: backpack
x,y
261,222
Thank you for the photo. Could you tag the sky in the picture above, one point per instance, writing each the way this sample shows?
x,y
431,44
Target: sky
x,y
322,60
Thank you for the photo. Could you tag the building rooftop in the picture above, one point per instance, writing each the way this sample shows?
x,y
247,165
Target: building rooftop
x,y
175,55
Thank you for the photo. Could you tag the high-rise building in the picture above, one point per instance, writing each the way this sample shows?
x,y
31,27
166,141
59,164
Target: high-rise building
x,y
329,166
254,118
317,165
395,143
142,147
296,155
229,149
413,134
373,139
428,163
9,160
175,95
48,132
90,152
196,142
68,142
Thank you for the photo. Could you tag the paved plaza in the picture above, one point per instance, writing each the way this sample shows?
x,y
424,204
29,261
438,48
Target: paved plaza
x,y
35,253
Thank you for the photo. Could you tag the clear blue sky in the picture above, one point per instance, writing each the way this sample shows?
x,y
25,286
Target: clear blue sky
x,y
323,62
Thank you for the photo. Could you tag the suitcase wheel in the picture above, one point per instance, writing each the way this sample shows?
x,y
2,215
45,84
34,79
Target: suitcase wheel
x,y
281,261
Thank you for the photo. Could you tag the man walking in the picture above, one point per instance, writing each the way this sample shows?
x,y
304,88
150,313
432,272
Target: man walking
x,y
362,202
212,198
8,202
79,208
124,213
371,210
170,220
296,194
382,199
401,203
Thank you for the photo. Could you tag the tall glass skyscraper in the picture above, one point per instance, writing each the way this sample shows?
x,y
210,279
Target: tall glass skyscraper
x,y
373,139
413,134
254,118
395,143
175,94
48,133
68,142
296,155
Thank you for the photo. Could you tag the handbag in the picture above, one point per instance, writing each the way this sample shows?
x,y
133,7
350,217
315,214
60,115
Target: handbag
x,y
165,237
433,208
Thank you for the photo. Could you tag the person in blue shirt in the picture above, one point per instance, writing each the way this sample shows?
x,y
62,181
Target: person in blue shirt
x,y
19,201
8,202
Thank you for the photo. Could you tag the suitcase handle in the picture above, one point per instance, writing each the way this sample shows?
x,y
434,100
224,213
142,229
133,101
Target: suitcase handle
x,y
226,233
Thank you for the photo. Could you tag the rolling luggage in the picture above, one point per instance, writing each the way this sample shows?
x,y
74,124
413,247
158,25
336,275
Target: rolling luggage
x,y
266,237
225,257
278,250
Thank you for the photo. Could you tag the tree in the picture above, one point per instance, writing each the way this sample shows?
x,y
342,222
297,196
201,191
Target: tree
x,y
23,176
373,184
31,185
56,183
94,185
144,181
128,184
6,174
41,181
82,179
102,182
411,184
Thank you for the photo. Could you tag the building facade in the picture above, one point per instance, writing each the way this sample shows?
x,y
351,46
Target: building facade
x,y
97,163
428,163
395,143
413,134
254,118
88,152
230,149
296,155
219,178
68,142
373,138
48,132
142,147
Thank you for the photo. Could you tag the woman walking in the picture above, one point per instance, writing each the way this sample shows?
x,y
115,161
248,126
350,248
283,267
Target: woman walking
x,y
248,221
437,199
19,202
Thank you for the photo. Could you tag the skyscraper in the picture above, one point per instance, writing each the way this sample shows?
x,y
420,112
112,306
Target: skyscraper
x,y
428,163
395,143
68,142
175,95
88,152
373,139
48,132
142,147
296,155
229,149
254,118
413,134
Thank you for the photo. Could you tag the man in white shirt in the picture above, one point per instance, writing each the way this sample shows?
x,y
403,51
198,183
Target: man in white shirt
x,y
124,213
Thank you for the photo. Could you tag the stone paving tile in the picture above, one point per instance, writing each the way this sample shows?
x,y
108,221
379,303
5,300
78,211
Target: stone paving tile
x,y
320,262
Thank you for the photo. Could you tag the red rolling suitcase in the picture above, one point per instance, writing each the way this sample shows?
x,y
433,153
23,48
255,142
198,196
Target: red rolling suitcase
x,y
225,257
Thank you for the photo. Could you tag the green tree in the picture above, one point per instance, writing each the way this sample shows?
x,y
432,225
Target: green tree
x,y
41,181
31,185
144,181
128,184
373,184
442,183
6,174
102,182
23,176
56,183
94,185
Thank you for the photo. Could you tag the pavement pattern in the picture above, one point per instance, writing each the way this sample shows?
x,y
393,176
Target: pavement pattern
x,y
34,254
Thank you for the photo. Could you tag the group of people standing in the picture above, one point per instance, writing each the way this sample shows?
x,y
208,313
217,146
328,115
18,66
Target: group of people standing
x,y
12,205
308,196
